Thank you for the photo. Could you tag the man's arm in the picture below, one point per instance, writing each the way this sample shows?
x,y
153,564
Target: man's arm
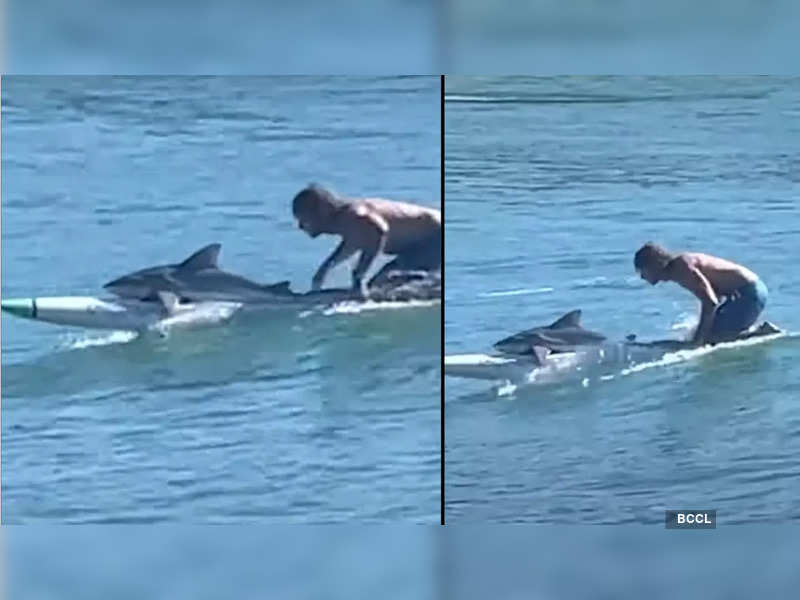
x,y
693,279
342,252
374,242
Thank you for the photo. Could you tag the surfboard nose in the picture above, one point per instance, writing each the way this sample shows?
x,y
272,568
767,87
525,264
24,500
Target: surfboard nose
x,y
21,307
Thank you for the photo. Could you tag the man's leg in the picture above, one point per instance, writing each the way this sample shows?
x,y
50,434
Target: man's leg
x,y
425,257
428,257
739,313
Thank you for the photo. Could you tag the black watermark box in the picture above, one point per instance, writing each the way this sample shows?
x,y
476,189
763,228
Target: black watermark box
x,y
691,519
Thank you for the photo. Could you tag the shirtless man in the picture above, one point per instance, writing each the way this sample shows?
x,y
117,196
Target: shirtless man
x,y
371,226
732,296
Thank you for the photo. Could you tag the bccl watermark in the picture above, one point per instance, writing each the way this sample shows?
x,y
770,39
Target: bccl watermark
x,y
691,519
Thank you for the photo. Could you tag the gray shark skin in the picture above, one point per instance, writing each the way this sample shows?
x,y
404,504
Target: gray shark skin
x,y
563,335
199,278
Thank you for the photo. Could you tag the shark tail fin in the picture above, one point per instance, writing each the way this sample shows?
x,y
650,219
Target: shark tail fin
x,y
571,319
169,301
204,258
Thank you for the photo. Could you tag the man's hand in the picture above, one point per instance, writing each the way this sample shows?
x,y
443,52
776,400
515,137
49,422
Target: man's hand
x,y
372,240
707,316
360,287
690,277
342,252
698,340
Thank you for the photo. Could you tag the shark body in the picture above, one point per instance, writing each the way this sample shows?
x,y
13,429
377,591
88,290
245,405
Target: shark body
x,y
563,335
566,336
199,278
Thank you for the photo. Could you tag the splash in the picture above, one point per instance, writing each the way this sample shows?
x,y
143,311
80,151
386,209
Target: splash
x,y
352,308
507,389
87,341
680,356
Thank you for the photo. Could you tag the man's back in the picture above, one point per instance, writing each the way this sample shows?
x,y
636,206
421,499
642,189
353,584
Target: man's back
x,y
725,276
407,223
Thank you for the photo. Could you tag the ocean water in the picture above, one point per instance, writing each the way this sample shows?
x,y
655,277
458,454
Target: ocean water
x,y
551,186
387,561
292,417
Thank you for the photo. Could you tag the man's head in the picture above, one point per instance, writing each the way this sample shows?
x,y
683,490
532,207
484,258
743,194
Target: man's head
x,y
314,208
651,260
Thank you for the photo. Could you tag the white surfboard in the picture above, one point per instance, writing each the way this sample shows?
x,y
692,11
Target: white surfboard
x,y
120,315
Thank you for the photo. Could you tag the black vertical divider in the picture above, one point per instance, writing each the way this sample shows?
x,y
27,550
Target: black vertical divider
x,y
441,342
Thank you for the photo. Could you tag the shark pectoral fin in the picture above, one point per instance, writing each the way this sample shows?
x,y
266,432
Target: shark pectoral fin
x,y
280,287
571,319
169,301
204,258
540,354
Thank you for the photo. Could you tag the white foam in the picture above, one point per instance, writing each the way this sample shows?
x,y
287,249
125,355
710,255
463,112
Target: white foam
x,y
679,356
115,337
351,308
507,389
469,98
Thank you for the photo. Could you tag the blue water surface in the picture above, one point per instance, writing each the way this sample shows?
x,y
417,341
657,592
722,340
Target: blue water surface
x,y
287,418
551,186
398,562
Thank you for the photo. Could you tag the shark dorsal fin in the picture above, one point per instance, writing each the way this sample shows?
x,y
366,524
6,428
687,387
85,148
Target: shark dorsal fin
x,y
571,319
169,301
281,286
203,259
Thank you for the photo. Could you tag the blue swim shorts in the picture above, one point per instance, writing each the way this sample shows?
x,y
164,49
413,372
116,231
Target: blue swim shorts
x,y
739,310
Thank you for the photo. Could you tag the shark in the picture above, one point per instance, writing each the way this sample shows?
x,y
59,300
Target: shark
x,y
567,335
199,278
